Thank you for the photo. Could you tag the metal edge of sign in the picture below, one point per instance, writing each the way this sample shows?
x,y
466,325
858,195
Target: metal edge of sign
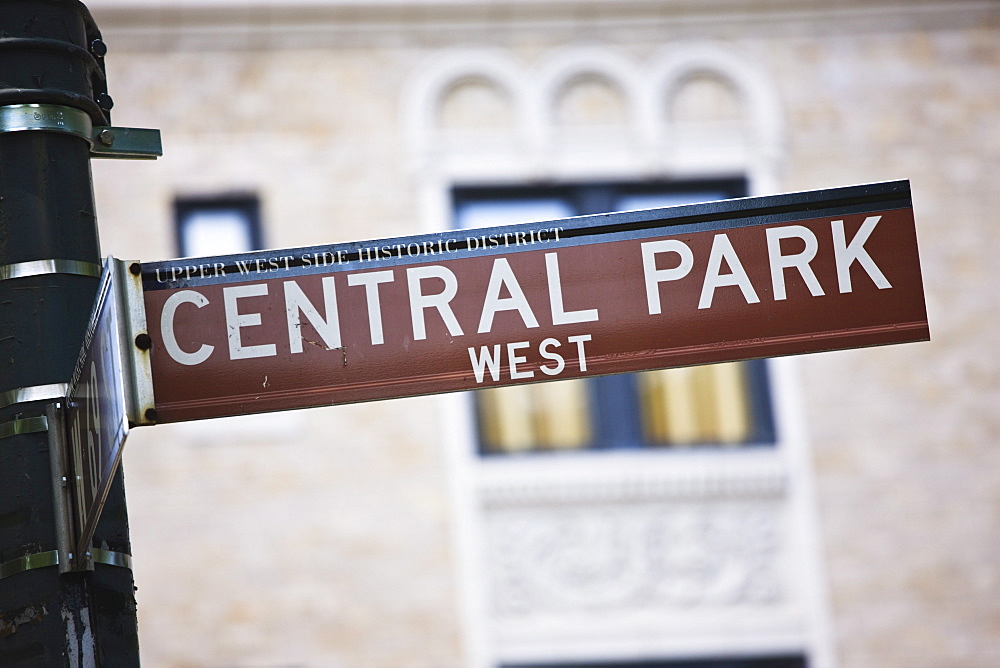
x,y
573,231
103,290
140,402
72,462
90,520
85,519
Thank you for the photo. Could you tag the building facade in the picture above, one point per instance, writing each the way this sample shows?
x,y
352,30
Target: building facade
x,y
833,509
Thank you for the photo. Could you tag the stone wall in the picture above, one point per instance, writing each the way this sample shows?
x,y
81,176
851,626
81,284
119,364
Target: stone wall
x,y
325,537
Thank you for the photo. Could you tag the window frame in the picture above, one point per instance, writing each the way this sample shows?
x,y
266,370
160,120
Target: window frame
x,y
614,399
246,204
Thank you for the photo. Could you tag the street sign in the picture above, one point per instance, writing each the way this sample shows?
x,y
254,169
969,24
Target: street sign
x,y
101,394
467,309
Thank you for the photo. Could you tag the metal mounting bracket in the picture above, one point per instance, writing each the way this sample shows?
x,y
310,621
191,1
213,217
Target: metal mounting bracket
x,y
126,143
63,485
139,401
105,141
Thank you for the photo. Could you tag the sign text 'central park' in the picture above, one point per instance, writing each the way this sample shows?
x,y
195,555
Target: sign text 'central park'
x,y
466,309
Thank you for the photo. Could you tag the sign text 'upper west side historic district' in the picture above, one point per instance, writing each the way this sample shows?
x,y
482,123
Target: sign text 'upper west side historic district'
x,y
465,309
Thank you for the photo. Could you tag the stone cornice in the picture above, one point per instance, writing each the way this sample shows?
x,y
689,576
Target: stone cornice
x,y
220,24
611,477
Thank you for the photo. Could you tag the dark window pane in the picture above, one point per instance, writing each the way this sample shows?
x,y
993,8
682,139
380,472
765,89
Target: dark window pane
x,y
217,225
793,661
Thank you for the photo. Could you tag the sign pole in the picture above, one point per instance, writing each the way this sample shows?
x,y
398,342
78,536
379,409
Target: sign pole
x,y
53,103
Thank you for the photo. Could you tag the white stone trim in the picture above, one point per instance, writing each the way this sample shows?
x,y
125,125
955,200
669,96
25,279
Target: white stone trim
x,y
646,89
779,475
766,117
438,75
787,398
661,475
468,537
561,67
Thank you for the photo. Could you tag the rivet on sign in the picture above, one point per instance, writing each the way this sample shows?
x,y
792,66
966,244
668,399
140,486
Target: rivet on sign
x,y
105,102
151,414
135,268
106,137
143,342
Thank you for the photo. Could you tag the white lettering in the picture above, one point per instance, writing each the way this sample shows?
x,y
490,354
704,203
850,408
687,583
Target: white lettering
x,y
847,253
722,249
654,276
518,365
503,276
799,261
514,360
560,363
559,315
167,327
441,301
578,340
479,363
296,302
236,321
371,282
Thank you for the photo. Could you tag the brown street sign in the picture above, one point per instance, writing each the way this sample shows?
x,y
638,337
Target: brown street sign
x,y
467,309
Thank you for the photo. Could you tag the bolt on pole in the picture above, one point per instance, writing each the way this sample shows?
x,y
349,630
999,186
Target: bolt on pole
x,y
53,94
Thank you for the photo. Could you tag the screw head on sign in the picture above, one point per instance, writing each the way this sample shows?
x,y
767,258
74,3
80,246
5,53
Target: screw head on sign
x,y
105,102
143,341
106,137
135,268
99,48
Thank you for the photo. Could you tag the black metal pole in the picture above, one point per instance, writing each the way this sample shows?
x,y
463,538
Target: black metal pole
x,y
51,54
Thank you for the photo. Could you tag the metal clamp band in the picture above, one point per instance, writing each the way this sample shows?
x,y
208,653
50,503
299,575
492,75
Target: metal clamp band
x,y
24,426
29,562
42,267
105,141
22,395
119,559
45,117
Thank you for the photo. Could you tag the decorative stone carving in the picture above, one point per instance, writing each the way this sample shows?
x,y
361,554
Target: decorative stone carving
x,y
613,556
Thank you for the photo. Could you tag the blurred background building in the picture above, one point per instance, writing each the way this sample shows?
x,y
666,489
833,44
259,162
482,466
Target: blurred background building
x,y
833,509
